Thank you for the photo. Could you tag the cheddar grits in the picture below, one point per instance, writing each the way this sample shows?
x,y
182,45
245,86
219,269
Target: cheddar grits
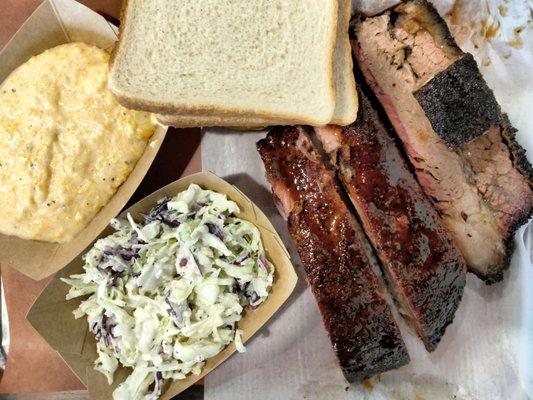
x,y
65,144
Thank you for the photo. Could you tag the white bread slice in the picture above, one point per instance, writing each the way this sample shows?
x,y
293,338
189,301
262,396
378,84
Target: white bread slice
x,y
346,95
346,103
272,59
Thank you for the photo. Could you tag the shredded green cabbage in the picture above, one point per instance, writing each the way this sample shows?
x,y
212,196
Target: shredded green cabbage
x,y
166,294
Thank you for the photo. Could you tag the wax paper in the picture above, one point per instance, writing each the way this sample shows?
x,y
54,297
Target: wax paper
x,y
487,353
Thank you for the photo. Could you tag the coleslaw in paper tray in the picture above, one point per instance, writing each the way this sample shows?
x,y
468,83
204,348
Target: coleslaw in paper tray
x,y
166,294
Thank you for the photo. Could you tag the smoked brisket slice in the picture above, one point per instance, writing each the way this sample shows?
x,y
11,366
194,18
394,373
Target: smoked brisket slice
x,y
336,257
496,169
425,272
482,188
449,87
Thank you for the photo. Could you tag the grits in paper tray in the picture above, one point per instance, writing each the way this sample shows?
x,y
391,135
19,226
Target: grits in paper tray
x,y
66,145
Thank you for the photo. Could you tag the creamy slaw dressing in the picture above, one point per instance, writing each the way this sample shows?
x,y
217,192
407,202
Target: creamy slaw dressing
x,y
165,295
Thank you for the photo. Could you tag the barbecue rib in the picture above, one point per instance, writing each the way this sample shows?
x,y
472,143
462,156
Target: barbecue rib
x,y
481,187
337,259
425,272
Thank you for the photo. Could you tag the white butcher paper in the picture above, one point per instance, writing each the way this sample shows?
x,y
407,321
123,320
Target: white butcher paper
x,y
486,353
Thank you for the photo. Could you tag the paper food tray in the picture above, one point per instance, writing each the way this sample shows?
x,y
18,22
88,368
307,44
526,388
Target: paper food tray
x,y
51,315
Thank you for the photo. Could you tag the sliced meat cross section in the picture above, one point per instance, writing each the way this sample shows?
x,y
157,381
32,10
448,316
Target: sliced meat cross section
x,y
481,188
425,271
336,257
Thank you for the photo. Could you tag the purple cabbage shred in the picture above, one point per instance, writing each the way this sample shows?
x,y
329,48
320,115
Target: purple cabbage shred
x,y
127,254
251,295
242,284
263,261
242,258
176,311
197,207
215,230
134,239
161,212
104,330
234,287
116,260
158,385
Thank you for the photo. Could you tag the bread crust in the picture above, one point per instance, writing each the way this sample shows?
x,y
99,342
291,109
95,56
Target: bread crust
x,y
185,121
122,19
348,119
193,121
161,108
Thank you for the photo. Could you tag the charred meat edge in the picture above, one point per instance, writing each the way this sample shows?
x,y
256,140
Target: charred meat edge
x,y
336,257
424,270
446,177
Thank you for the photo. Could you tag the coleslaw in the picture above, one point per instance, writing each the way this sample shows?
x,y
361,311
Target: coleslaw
x,y
166,294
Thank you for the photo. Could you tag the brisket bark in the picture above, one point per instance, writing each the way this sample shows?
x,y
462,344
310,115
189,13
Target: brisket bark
x,y
336,257
425,272
458,103
481,189
449,87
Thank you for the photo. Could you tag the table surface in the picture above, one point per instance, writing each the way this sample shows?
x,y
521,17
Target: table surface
x,y
25,376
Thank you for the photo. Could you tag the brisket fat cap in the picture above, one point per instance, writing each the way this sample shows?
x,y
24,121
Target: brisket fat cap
x,y
478,220
425,271
336,258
